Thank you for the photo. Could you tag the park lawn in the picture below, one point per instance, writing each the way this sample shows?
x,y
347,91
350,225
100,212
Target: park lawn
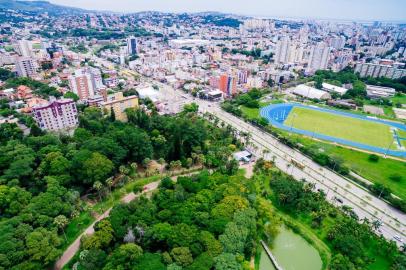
x,y
366,132
375,172
399,99
253,113
76,226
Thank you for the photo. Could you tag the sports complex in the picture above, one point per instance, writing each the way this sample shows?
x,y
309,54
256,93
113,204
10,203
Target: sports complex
x,y
359,131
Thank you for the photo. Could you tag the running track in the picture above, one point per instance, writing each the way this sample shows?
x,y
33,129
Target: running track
x,y
277,114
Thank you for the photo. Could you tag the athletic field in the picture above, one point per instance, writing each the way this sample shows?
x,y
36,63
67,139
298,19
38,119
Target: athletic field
x,y
359,131
335,125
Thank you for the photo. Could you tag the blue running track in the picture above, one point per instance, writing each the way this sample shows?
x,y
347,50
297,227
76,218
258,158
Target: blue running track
x,y
277,114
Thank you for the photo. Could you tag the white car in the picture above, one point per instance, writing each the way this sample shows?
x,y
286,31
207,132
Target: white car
x,y
398,238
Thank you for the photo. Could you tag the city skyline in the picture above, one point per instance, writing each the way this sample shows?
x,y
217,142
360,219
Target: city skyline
x,y
360,10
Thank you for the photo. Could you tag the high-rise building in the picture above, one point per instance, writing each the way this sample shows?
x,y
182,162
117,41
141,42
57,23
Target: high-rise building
x,y
337,42
86,82
26,67
282,50
56,115
319,56
97,79
82,85
132,45
24,48
228,85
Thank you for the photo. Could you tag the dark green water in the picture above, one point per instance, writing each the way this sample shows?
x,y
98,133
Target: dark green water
x,y
292,252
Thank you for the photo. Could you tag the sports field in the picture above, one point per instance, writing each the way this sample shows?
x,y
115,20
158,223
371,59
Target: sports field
x,y
338,126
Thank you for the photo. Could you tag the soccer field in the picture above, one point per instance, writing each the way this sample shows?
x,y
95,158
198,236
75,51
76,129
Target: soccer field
x,y
353,129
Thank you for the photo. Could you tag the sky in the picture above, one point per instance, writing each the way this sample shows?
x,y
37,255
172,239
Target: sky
x,y
371,10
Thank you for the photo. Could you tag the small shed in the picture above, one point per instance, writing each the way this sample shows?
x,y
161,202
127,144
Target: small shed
x,y
244,156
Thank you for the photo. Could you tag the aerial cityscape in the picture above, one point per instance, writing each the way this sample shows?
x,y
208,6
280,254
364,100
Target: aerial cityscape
x,y
203,135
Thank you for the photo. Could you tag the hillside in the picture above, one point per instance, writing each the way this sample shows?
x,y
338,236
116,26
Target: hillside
x,y
39,6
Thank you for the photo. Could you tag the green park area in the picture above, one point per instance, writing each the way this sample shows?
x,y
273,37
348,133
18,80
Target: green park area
x,y
386,171
253,113
365,132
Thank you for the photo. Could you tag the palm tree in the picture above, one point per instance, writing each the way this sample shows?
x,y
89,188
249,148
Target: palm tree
x,y
134,167
61,221
124,170
376,224
98,186
109,183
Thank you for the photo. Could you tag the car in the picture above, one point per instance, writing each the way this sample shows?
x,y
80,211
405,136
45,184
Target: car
x,y
145,188
338,200
398,238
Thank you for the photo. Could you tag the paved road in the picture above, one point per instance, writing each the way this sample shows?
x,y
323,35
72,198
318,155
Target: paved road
x,y
364,204
335,186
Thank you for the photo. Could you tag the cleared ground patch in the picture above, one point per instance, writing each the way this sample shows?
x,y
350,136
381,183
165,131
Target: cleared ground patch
x,y
365,132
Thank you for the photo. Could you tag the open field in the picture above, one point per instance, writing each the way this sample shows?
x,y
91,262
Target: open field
x,y
376,172
253,113
399,99
338,126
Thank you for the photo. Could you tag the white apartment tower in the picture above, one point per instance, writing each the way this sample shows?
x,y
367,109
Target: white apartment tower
x,y
24,48
319,56
282,50
26,67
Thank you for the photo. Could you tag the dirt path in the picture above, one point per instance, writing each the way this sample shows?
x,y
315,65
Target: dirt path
x,y
74,247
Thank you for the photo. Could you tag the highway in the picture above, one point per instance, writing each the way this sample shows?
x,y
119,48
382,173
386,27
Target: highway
x,y
363,203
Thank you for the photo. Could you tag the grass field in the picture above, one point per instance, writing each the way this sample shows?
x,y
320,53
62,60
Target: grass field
x,y
376,172
366,132
399,99
253,113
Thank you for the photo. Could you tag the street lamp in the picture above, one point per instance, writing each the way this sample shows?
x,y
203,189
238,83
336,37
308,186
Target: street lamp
x,y
387,150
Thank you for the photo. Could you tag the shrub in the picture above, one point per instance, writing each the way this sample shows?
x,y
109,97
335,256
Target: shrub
x,y
373,158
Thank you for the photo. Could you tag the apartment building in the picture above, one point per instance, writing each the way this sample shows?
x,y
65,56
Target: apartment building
x,y
56,115
118,103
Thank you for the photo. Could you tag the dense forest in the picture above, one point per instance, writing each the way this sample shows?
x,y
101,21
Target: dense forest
x,y
44,175
215,221
199,222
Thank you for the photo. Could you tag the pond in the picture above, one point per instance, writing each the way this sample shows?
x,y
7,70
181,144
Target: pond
x,y
292,252
265,263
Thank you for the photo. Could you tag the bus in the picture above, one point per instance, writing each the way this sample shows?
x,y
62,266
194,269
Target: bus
x,y
297,164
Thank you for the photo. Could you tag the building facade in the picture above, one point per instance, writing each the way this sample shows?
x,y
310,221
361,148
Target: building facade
x,y
228,85
26,67
118,103
86,82
132,45
379,70
56,115
319,56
